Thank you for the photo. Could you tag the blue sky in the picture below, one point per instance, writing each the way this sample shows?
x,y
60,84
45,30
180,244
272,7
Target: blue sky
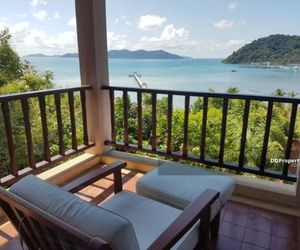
x,y
207,28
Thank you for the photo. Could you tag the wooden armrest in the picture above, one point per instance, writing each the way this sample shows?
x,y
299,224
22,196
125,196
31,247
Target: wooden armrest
x,y
97,174
97,243
198,209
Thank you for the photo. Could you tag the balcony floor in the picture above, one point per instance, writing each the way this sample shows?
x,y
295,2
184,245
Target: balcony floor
x,y
243,227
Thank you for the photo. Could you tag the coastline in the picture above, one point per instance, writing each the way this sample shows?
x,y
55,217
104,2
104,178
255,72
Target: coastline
x,y
183,74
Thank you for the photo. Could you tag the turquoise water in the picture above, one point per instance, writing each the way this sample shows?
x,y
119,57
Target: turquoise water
x,y
189,74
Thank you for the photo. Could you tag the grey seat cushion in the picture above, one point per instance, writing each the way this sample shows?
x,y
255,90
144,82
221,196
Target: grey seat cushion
x,y
93,220
177,185
149,218
127,221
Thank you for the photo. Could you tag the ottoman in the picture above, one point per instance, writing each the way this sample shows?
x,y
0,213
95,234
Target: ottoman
x,y
177,185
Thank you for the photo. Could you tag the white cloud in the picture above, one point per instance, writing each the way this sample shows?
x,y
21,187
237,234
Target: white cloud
x,y
223,24
21,15
40,15
232,6
27,40
40,41
3,19
123,19
186,45
3,25
56,15
211,48
170,38
151,22
115,41
170,32
19,29
36,2
72,22
235,43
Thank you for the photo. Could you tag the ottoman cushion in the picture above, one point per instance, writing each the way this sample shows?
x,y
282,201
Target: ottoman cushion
x,y
178,185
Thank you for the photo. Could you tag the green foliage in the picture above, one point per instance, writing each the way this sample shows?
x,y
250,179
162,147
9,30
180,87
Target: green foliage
x,y
18,76
233,90
255,132
10,63
276,49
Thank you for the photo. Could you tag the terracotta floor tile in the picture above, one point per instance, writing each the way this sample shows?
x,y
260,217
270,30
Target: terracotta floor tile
x,y
9,229
7,233
235,217
104,189
247,246
255,211
103,184
225,243
4,238
223,212
285,230
232,231
285,219
257,238
278,243
235,206
13,244
299,231
259,223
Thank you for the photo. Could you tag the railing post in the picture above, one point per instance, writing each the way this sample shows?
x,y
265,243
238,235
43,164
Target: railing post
x,y
92,48
294,169
297,185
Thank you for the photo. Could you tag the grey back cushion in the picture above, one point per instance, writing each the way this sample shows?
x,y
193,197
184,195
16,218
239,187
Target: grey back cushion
x,y
94,221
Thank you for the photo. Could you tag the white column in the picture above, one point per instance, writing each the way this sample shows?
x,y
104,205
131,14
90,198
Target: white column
x,y
92,48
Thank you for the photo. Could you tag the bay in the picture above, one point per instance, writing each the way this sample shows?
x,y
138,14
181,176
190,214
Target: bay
x,y
183,74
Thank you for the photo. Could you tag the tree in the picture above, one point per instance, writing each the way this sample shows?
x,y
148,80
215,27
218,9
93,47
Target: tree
x,y
20,76
17,75
279,92
10,63
233,90
274,49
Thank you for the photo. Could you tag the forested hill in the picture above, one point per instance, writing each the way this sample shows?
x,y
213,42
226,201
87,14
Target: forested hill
x,y
142,54
276,49
126,54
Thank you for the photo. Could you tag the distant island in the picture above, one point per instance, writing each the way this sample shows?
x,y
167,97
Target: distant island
x,y
274,49
142,54
126,54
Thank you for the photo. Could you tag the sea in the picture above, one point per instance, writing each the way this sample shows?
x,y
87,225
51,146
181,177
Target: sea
x,y
179,74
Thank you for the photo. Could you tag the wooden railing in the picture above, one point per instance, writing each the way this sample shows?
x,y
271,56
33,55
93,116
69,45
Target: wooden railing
x,y
40,97
240,166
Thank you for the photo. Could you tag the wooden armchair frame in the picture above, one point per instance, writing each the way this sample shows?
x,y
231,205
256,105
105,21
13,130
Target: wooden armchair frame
x,y
41,230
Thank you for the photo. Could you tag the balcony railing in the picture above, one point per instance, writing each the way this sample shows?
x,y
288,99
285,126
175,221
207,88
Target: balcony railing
x,y
268,102
18,107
